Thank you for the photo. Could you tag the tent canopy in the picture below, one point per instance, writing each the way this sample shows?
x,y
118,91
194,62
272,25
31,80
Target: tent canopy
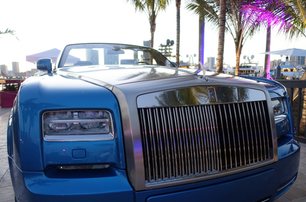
x,y
52,54
289,52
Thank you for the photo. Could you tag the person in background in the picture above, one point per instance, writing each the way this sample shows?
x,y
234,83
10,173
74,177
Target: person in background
x,y
278,72
287,61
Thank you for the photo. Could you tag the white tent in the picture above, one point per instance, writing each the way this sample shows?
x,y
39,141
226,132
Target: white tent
x,y
52,54
289,52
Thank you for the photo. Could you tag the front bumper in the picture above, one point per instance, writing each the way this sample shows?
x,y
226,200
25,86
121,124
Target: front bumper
x,y
37,187
265,183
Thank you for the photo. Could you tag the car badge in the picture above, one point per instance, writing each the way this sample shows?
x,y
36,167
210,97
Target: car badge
x,y
212,95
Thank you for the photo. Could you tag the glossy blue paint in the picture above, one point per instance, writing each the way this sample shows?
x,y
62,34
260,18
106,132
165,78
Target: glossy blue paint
x,y
34,162
37,187
112,185
97,152
57,93
275,88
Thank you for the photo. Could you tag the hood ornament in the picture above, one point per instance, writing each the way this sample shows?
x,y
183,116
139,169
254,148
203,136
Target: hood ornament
x,y
201,71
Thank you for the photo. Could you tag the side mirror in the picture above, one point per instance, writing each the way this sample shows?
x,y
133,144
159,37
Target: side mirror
x,y
44,65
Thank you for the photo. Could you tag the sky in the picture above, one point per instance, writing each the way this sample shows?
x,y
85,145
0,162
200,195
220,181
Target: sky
x,y
42,25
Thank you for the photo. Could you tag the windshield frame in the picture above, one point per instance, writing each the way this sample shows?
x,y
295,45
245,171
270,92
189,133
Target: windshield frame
x,y
159,57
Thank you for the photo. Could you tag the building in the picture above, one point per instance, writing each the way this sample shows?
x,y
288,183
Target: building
x,y
15,68
298,60
4,70
211,63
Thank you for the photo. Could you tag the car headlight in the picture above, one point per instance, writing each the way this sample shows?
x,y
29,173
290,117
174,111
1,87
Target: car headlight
x,y
280,116
77,125
279,106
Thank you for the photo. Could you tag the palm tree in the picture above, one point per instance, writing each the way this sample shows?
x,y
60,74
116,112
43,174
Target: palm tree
x,y
7,31
152,8
300,7
281,13
235,23
290,16
203,9
222,19
239,29
178,30
267,64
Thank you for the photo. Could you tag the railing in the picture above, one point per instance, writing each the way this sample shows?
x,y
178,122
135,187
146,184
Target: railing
x,y
297,93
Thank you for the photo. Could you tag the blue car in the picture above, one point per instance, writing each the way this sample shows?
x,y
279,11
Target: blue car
x,y
117,122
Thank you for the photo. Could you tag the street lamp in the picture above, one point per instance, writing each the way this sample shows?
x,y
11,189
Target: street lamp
x,y
166,49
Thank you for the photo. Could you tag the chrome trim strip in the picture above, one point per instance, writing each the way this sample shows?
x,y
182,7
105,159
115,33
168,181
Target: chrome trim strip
x,y
75,138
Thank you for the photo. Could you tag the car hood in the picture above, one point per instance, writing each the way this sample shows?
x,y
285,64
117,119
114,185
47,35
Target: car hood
x,y
150,77
119,75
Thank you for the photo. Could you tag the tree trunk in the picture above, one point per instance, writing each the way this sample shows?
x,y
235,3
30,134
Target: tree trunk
x,y
152,22
152,28
303,118
201,39
267,56
238,49
238,55
178,31
219,67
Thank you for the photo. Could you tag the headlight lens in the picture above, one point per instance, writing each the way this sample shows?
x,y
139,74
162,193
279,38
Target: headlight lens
x,y
72,125
280,116
279,106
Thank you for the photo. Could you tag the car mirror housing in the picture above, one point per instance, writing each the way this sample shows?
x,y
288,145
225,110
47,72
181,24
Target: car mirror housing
x,y
44,65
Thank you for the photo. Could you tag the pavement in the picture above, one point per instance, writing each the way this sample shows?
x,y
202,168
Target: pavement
x,y
297,192
6,189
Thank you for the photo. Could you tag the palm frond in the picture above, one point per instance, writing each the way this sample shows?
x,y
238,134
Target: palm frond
x,y
277,13
8,31
204,8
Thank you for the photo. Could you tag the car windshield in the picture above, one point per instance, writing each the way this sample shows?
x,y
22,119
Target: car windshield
x,y
111,55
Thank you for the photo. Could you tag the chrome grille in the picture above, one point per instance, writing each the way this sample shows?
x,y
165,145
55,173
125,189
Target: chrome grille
x,y
187,141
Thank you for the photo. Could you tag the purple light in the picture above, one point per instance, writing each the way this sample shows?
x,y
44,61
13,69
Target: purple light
x,y
271,12
201,51
268,67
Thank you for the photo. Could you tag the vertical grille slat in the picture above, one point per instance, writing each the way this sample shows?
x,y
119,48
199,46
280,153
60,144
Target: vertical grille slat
x,y
256,131
173,145
250,134
178,136
187,141
213,142
261,135
207,138
268,140
200,139
228,137
241,131
238,138
260,132
152,146
203,130
217,139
